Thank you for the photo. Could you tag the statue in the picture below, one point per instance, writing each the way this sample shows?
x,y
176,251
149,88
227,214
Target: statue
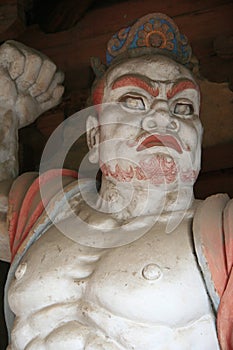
x,y
147,267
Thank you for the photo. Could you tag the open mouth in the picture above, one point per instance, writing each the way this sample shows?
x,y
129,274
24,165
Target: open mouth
x,y
160,140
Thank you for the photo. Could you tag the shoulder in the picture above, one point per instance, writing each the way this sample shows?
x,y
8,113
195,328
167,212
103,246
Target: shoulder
x,y
30,193
213,240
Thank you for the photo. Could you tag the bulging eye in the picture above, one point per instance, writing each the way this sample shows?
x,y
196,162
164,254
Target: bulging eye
x,y
183,109
133,102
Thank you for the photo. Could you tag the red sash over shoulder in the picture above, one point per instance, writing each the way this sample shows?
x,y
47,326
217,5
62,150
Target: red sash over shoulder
x,y
26,205
213,237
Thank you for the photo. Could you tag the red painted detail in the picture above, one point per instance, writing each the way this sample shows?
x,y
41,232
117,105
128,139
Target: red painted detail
x,y
135,81
228,234
225,316
17,193
189,176
158,170
160,140
139,173
180,86
98,92
119,174
32,206
124,175
212,240
12,225
225,310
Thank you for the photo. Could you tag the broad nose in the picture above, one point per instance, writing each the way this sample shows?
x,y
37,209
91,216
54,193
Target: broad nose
x,y
160,118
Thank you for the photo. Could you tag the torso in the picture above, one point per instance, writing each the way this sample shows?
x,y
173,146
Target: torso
x,y
145,295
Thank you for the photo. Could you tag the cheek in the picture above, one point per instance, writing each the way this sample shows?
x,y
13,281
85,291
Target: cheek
x,y
190,134
114,113
119,126
108,132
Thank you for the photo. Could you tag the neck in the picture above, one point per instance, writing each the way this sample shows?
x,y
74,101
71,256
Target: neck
x,y
126,200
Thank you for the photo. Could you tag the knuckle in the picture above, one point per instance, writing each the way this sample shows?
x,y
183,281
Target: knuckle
x,y
58,92
7,46
37,88
59,76
49,65
33,58
8,52
43,97
16,68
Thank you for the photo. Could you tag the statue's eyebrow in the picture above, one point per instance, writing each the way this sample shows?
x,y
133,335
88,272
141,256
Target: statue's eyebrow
x,y
181,86
132,80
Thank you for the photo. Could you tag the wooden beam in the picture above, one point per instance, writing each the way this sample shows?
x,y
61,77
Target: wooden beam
x,y
55,16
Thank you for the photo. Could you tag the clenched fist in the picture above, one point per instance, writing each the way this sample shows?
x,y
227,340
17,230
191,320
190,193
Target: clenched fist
x,y
30,83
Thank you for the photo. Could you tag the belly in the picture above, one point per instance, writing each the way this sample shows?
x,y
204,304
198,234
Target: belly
x,y
129,334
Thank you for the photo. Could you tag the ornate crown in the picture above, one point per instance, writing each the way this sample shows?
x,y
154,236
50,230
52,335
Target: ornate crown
x,y
153,33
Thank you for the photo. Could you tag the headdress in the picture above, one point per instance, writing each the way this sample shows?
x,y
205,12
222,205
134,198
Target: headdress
x,y
155,33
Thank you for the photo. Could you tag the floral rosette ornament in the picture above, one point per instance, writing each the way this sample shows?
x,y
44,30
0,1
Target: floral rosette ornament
x,y
153,33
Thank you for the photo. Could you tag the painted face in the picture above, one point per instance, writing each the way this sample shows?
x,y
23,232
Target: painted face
x,y
149,122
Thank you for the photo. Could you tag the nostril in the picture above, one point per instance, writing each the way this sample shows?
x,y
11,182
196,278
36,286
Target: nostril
x,y
148,123
174,125
151,123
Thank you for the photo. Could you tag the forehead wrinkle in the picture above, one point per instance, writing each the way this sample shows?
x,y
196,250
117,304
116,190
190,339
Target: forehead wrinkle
x,y
135,80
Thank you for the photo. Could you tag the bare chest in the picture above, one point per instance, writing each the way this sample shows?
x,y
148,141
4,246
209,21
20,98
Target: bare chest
x,y
152,278
146,292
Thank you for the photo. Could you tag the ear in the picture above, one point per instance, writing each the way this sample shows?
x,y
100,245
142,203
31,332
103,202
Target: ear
x,y
93,138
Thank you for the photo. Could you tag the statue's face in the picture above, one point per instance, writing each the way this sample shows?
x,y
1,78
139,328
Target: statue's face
x,y
151,128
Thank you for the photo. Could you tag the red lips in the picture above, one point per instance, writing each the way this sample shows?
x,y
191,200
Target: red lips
x,y
160,140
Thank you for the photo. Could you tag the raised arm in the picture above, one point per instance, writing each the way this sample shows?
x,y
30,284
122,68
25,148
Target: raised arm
x,y
30,84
